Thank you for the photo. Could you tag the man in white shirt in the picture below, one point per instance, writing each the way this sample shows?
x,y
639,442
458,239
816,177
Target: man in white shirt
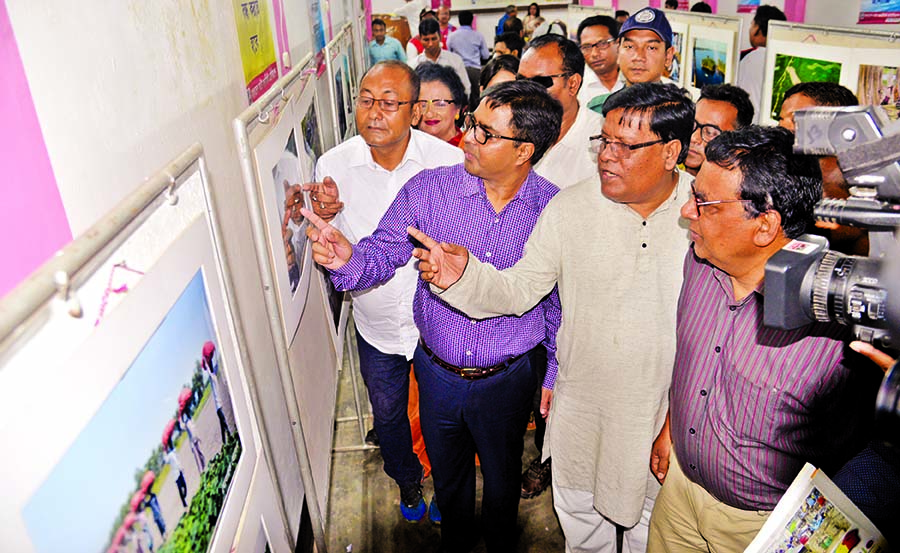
x,y
598,37
369,170
752,66
556,63
430,35
411,10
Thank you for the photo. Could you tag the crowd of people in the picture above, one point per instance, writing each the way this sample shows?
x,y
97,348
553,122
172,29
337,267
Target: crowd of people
x,y
559,231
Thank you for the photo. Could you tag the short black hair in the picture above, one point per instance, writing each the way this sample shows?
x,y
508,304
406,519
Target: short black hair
x,y
701,7
536,116
672,4
429,27
513,25
431,72
377,21
465,18
773,176
824,94
600,21
767,13
735,96
622,13
505,62
510,8
512,41
671,110
572,58
397,64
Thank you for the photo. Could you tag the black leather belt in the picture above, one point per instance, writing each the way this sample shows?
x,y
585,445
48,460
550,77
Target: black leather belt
x,y
469,373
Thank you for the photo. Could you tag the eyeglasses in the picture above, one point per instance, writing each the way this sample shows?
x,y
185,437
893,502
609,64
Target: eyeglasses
x,y
621,150
482,135
698,203
545,81
707,132
601,45
366,102
435,104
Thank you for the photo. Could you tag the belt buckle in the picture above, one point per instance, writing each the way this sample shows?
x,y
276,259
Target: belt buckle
x,y
470,372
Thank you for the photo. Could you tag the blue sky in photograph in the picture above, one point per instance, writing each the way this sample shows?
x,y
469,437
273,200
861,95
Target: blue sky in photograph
x,y
81,498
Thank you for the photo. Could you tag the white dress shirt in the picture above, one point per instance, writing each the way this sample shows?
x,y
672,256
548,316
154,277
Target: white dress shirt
x,y
570,160
450,60
383,314
592,87
751,73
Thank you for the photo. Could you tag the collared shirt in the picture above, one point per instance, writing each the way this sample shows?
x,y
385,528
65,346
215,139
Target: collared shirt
x,y
451,205
383,314
751,404
592,87
390,50
570,160
751,74
445,33
469,45
597,102
450,60
618,277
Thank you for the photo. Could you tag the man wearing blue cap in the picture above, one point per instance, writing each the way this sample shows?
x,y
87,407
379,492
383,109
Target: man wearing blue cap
x,y
645,50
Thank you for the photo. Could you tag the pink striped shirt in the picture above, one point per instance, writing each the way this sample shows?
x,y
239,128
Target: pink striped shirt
x,y
750,404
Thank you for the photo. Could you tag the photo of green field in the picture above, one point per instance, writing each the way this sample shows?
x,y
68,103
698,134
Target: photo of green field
x,y
790,70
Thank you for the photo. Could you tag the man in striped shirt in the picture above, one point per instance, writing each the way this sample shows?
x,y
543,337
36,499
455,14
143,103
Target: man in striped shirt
x,y
749,405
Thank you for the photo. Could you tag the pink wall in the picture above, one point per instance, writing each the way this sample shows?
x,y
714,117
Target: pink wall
x,y
33,222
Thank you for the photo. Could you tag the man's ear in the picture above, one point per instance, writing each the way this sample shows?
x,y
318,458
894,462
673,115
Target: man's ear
x,y
416,113
671,151
573,84
670,55
768,228
524,152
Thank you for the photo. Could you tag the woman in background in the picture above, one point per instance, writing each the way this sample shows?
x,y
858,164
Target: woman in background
x,y
443,99
532,20
499,70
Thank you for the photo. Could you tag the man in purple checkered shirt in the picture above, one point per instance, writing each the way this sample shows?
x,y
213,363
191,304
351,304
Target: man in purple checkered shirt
x,y
476,379
749,405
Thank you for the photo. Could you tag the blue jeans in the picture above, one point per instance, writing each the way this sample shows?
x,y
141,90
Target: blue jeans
x,y
387,379
460,418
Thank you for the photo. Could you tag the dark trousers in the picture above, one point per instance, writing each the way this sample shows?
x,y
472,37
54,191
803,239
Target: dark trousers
x,y
461,418
387,380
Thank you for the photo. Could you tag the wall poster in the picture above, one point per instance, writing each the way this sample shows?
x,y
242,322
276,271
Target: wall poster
x,y
156,449
879,11
256,46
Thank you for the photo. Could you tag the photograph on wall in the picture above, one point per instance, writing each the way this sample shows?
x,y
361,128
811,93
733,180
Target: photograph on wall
x,y
340,102
152,468
879,11
792,69
710,62
675,70
312,140
289,193
280,180
747,6
878,86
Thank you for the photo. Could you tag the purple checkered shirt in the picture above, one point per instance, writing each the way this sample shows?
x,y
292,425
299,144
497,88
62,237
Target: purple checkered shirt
x,y
750,404
451,205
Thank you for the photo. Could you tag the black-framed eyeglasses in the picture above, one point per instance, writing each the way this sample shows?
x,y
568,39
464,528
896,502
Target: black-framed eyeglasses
x,y
601,45
699,202
621,150
386,104
707,131
481,134
545,81
436,104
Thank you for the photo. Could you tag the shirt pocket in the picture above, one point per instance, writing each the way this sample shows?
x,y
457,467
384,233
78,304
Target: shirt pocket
x,y
754,412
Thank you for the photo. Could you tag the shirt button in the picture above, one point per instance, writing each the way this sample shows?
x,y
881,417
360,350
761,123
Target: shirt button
x,y
731,308
703,393
718,349
474,322
644,245
693,466
692,431
487,254
468,352
644,223
497,220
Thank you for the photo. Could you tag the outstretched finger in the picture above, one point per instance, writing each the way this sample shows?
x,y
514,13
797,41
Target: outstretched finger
x,y
426,240
314,219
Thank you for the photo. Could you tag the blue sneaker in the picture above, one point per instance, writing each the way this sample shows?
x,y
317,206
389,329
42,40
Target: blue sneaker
x,y
434,514
412,504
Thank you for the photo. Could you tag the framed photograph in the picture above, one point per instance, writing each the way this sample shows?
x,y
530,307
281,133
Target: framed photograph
x,y
280,176
878,80
679,41
710,57
336,55
789,63
261,529
138,431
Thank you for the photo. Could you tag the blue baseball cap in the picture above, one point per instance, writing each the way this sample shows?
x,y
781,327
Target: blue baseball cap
x,y
649,19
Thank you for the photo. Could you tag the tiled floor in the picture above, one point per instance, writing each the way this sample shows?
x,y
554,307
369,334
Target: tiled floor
x,y
364,504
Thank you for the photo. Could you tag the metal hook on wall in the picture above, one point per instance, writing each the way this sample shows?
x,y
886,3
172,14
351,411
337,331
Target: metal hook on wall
x,y
73,305
171,195
263,117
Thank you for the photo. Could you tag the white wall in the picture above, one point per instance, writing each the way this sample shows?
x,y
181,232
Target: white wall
x,y
121,88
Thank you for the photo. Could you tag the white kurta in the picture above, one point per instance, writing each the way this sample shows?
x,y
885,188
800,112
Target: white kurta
x,y
570,160
619,277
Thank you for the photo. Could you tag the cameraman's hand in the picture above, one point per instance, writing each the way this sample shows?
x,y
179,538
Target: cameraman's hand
x,y
880,358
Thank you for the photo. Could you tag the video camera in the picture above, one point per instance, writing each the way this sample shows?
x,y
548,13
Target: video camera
x,y
806,281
